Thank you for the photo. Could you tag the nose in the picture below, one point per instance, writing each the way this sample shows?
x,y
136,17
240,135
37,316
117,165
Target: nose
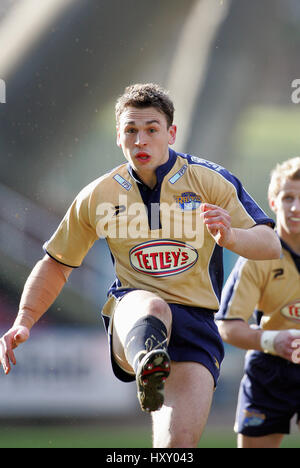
x,y
296,205
140,139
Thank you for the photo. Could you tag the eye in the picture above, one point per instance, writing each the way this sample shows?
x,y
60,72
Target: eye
x,y
288,198
130,130
152,130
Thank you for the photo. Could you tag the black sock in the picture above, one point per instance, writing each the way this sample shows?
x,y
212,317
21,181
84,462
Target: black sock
x,y
147,333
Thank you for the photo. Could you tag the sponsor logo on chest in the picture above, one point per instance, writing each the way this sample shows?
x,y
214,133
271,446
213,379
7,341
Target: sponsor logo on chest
x,y
163,257
292,311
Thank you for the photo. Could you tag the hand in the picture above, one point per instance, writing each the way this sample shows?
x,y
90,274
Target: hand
x,y
218,224
11,340
283,345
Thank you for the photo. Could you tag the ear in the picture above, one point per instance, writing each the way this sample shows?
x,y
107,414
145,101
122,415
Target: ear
x,y
172,134
272,204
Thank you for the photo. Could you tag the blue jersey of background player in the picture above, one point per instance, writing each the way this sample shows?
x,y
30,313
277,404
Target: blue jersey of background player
x,y
269,393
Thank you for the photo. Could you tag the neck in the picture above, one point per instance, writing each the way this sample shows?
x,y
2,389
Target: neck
x,y
149,179
293,241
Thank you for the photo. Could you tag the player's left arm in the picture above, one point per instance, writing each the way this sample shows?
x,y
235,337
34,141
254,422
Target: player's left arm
x,y
259,242
277,342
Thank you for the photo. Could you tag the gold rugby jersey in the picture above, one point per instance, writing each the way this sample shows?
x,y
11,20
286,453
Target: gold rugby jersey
x,y
268,289
155,236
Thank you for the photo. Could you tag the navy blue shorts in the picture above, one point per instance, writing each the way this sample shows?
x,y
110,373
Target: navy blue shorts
x,y
194,337
269,395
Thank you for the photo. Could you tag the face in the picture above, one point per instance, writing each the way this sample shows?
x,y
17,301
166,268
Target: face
x,y
287,208
144,137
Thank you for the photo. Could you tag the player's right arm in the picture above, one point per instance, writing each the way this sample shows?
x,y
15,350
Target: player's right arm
x,y
41,289
69,245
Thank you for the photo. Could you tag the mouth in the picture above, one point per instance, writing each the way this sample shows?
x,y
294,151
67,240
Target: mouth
x,y
294,219
143,157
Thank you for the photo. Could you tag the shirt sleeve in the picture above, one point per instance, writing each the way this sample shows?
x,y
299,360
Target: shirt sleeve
x,y
225,190
245,205
241,293
76,233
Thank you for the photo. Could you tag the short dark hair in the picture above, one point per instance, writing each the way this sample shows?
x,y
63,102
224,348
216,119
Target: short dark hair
x,y
146,95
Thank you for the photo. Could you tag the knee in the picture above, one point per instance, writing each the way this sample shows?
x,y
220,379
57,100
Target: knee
x,y
184,437
174,432
159,309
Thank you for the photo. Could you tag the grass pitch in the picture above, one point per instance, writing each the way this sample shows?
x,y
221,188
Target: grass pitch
x,y
93,436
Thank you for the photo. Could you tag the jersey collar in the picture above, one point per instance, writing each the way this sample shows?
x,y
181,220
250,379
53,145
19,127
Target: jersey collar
x,y
294,256
287,247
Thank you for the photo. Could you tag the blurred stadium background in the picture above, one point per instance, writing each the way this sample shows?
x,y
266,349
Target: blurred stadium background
x,y
229,65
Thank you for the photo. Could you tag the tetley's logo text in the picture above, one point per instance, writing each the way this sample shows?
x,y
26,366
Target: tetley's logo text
x,y
292,311
163,257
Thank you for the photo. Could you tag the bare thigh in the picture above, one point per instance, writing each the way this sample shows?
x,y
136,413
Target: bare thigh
x,y
188,397
132,307
268,441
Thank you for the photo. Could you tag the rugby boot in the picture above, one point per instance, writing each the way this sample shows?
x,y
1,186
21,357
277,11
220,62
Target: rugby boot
x,y
153,370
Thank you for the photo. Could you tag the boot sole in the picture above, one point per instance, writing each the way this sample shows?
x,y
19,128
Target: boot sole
x,y
152,373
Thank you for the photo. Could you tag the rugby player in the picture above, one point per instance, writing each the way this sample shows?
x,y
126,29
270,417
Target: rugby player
x,y
166,217
269,392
